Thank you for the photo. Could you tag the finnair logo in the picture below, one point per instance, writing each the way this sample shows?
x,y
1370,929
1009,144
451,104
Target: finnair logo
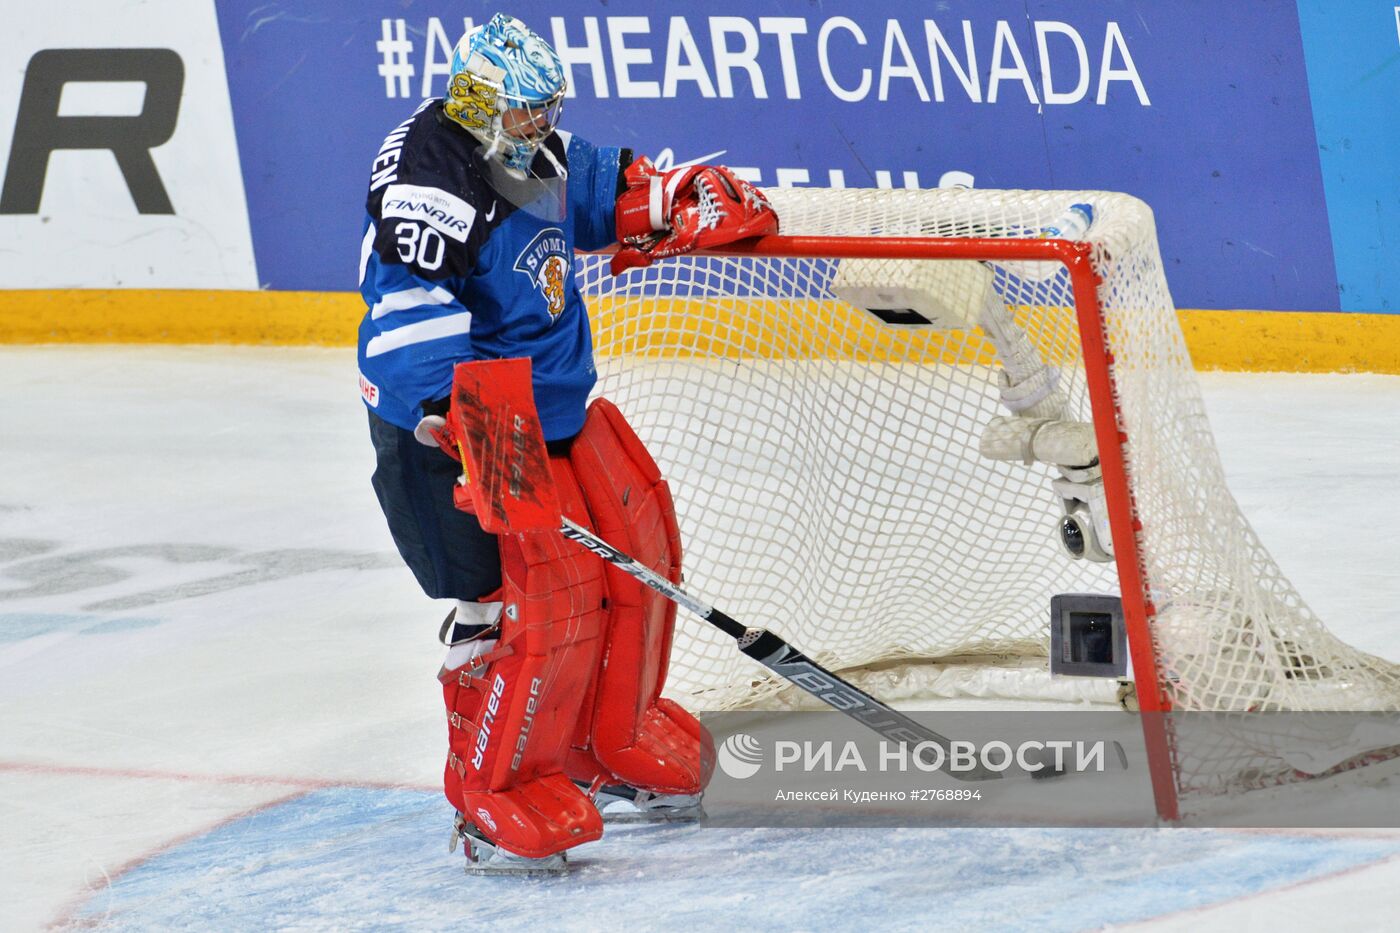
x,y
446,213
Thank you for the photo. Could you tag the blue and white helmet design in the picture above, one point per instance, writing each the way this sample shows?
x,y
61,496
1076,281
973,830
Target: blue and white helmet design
x,y
507,89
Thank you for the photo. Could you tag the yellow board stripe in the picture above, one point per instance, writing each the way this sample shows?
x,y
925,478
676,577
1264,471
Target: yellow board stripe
x,y
1253,341
178,316
1293,341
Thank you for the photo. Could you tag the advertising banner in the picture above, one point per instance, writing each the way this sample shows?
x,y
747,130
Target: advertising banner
x,y
117,147
170,144
1199,109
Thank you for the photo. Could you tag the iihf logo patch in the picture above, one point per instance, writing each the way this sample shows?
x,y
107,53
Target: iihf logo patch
x,y
546,261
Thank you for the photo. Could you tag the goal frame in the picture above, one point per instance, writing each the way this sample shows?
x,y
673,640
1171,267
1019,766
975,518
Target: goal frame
x,y
1124,522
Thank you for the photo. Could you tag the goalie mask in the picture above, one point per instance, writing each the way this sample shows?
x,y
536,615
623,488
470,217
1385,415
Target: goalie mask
x,y
507,89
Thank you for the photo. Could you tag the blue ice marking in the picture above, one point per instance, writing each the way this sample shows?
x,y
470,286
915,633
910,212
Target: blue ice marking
x,y
354,858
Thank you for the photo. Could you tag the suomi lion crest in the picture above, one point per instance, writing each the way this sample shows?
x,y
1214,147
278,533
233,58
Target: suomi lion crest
x,y
546,261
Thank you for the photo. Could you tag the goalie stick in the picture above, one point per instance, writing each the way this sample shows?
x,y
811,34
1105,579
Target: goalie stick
x,y
506,477
792,665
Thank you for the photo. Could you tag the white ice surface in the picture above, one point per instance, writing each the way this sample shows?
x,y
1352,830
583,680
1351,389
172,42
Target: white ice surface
x,y
217,706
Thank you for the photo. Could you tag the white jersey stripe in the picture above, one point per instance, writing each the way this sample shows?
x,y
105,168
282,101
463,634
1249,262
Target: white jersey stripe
x,y
450,326
366,248
410,298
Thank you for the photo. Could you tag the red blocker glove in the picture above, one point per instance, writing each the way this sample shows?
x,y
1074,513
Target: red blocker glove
x,y
700,207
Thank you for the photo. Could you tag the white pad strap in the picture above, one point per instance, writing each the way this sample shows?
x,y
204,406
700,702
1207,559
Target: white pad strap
x,y
465,633
467,652
469,621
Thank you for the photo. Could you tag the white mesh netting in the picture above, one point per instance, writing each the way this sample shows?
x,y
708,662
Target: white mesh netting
x,y
828,484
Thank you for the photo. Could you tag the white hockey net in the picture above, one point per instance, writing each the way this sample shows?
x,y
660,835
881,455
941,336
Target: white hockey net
x,y
828,483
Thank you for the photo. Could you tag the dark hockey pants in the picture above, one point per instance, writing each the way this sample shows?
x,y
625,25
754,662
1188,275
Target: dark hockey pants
x,y
444,547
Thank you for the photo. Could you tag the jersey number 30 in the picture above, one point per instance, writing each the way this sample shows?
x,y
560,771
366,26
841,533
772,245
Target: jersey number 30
x,y
421,245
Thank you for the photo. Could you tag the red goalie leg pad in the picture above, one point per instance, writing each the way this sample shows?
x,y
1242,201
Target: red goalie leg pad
x,y
628,733
512,712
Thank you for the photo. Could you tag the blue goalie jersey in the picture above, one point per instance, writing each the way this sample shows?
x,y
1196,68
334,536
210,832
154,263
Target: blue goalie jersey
x,y
450,271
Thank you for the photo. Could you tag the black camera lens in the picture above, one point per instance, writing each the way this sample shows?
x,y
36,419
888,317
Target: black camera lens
x,y
1072,535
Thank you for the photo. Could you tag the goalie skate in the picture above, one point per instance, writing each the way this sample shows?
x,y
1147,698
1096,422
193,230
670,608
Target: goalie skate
x,y
486,858
618,803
